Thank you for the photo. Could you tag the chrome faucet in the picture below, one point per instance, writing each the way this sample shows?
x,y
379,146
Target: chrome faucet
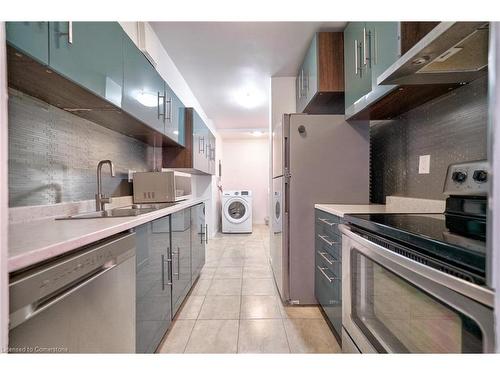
x,y
100,198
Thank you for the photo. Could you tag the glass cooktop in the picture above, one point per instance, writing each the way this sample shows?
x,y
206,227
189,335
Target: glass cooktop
x,y
453,240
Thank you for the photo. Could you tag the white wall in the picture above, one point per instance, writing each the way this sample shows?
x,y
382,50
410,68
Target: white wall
x,y
245,166
4,310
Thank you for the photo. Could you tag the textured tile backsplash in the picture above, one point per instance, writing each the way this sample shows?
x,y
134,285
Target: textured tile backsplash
x,y
451,129
53,155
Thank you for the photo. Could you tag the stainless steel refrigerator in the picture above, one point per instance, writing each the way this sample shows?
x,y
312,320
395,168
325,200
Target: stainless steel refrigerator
x,y
316,159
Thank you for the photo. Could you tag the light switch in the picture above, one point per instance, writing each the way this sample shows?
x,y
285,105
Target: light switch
x,y
424,164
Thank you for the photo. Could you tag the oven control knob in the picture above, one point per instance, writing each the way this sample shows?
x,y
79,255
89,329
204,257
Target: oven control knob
x,y
480,176
459,176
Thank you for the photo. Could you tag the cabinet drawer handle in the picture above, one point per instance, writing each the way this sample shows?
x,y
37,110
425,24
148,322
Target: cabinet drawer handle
x,y
327,222
330,279
162,272
178,261
325,239
169,117
168,261
326,257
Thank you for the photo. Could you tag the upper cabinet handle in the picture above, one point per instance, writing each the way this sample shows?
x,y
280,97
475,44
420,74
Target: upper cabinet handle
x,y
356,66
169,118
365,47
70,32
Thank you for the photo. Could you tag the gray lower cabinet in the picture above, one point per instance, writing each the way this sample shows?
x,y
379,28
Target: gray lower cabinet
x,y
170,255
181,257
153,290
198,240
328,268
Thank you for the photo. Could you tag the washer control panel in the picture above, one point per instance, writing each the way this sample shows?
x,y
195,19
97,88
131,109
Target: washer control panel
x,y
471,178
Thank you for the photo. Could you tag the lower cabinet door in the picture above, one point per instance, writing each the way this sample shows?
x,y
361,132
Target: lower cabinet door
x,y
181,257
328,293
198,239
153,292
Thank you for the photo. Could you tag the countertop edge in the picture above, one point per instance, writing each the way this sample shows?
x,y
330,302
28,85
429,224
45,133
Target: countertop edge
x,y
37,255
346,209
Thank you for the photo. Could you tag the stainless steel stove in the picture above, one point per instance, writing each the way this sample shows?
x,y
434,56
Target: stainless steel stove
x,y
418,282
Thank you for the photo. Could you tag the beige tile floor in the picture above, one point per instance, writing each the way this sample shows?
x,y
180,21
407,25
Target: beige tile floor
x,y
235,308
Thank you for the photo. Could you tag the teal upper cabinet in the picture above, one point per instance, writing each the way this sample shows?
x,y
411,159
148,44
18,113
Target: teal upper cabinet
x,y
357,70
369,49
200,144
307,81
310,67
90,54
175,117
31,38
384,47
143,88
320,79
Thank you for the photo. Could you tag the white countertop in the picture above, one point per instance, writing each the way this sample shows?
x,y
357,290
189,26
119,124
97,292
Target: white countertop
x,y
39,240
395,205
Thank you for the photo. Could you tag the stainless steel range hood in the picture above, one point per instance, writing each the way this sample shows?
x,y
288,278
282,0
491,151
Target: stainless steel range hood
x,y
452,52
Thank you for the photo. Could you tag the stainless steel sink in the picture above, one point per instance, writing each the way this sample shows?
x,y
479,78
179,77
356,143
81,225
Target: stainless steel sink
x,y
132,210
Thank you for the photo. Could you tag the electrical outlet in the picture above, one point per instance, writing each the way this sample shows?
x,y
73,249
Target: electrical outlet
x,y
424,164
131,175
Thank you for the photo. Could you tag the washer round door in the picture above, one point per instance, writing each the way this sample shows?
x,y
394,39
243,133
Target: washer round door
x,y
277,211
236,210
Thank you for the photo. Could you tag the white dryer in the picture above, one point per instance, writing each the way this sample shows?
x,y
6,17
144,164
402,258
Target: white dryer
x,y
237,211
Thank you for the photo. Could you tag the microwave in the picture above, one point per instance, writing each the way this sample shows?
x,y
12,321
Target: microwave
x,y
161,187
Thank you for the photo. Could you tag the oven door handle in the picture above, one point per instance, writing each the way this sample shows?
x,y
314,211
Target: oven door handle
x,y
463,296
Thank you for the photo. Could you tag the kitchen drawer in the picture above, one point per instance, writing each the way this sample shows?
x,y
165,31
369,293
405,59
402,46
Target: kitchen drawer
x,y
330,264
335,249
327,223
328,292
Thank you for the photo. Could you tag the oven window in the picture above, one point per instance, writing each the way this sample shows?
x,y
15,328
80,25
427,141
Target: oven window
x,y
396,316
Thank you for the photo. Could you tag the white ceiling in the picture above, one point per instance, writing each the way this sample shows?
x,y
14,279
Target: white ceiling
x,y
225,63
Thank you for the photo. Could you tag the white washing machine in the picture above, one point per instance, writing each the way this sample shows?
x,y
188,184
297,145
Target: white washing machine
x,y
237,211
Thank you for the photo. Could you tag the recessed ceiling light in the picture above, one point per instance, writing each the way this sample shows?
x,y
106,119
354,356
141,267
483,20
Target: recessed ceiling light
x,y
249,97
176,132
147,99
257,133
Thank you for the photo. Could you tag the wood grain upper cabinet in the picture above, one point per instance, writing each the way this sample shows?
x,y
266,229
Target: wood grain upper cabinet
x,y
320,79
90,54
144,90
31,38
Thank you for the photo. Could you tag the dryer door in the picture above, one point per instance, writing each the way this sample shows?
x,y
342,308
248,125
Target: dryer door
x,y
236,210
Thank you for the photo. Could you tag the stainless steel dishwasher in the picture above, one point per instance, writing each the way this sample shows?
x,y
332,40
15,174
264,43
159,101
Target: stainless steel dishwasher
x,y
80,303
